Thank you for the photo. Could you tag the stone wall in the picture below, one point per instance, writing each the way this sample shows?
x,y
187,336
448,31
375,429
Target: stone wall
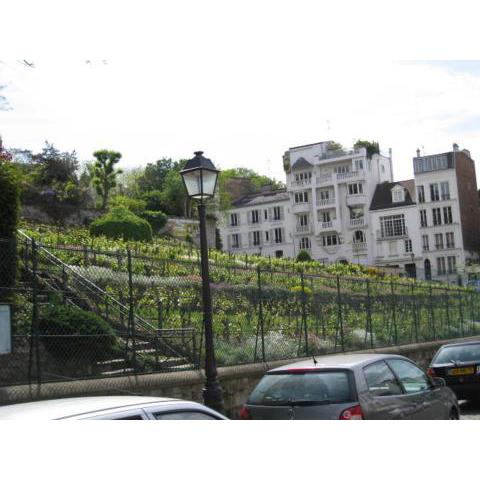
x,y
237,382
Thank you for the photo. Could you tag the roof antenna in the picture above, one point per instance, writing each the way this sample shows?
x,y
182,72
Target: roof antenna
x,y
314,360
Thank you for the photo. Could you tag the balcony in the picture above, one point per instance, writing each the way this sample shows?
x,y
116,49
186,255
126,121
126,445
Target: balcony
x,y
324,178
395,235
331,226
347,176
302,228
357,222
301,207
358,247
325,202
358,199
301,183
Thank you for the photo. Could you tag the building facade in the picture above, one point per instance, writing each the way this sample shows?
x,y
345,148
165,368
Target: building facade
x,y
343,205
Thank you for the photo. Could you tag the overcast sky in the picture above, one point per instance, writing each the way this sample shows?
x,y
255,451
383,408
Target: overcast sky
x,y
243,81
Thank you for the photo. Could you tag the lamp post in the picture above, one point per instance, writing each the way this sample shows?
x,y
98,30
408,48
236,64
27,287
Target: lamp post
x,y
200,179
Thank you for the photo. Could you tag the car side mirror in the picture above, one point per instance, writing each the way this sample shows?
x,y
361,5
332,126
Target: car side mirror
x,y
439,382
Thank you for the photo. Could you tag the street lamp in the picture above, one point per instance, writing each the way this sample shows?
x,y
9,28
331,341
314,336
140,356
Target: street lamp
x,y
200,179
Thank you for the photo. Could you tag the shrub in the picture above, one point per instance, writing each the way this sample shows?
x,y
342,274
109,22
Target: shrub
x,y
303,256
155,218
153,200
9,206
78,335
121,223
135,205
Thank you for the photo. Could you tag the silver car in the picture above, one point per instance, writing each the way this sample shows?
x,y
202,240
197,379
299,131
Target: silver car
x,y
110,408
351,387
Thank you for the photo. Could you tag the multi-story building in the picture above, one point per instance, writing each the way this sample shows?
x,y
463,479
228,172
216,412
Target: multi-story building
x,y
344,206
258,224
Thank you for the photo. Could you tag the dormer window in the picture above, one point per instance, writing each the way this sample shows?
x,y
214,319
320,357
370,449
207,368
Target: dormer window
x,y
398,194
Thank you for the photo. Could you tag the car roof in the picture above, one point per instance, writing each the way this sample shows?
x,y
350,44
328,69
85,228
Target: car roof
x,y
460,344
348,361
71,407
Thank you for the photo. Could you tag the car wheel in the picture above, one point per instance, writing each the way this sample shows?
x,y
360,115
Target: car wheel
x,y
453,415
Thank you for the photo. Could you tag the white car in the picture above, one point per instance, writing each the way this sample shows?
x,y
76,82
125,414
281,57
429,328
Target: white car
x,y
110,408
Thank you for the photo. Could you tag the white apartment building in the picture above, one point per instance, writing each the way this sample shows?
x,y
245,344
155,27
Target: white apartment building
x,y
259,224
344,206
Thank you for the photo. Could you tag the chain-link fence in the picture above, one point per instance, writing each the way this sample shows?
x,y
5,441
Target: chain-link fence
x,y
79,312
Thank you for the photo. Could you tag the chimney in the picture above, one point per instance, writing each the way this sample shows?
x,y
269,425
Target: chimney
x,y
418,152
466,152
455,147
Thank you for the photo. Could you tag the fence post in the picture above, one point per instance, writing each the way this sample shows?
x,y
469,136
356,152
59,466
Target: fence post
x,y
159,314
460,307
432,316
304,311
447,310
131,314
64,284
472,314
394,312
415,312
260,312
369,313
34,332
339,323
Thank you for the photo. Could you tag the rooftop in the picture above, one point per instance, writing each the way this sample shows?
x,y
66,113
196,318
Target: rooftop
x,y
262,197
382,198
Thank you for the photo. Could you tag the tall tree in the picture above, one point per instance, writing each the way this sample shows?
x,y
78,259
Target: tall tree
x,y
154,175
105,174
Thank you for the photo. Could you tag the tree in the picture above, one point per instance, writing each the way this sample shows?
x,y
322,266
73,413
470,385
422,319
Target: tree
x,y
372,147
52,165
105,174
154,175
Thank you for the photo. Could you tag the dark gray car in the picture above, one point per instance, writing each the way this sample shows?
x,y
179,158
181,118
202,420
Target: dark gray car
x,y
351,387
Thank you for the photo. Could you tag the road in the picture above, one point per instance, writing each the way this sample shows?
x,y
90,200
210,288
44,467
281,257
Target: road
x,y
469,410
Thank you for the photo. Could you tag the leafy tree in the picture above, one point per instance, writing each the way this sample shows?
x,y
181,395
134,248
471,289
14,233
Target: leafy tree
x,y
372,147
104,173
154,174
55,166
154,200
218,240
174,197
303,256
135,205
333,146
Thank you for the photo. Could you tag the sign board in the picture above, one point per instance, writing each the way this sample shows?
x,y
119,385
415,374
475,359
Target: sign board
x,y
5,329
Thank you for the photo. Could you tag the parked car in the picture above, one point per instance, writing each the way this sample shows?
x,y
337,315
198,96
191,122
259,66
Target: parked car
x,y
350,387
459,365
109,408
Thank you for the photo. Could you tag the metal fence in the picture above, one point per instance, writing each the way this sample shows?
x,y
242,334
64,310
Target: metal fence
x,y
145,315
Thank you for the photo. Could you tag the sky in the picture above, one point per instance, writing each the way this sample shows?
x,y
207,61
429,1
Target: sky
x,y
242,81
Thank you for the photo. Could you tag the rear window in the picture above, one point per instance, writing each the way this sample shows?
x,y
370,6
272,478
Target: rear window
x,y
461,353
303,388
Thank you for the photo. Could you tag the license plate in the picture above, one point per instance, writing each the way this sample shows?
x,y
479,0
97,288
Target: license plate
x,y
462,371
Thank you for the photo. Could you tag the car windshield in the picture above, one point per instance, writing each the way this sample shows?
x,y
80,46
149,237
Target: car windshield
x,y
460,354
302,388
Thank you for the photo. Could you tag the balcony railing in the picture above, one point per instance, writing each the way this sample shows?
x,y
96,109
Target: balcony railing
x,y
340,153
359,246
323,202
356,174
301,183
303,228
326,224
357,222
383,235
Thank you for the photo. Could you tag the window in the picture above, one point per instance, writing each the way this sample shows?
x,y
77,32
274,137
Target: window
x,y
439,241
235,240
398,195
255,216
447,215
411,377
358,237
452,264
437,216
359,164
301,197
450,240
408,246
234,219
325,194
421,194
441,266
302,220
304,243
445,189
423,218
325,217
356,212
355,188
380,380
434,195
303,176
278,253
329,240
183,416
278,235
256,238
425,245
392,226
383,168
267,236
342,169
432,162
277,213
265,214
